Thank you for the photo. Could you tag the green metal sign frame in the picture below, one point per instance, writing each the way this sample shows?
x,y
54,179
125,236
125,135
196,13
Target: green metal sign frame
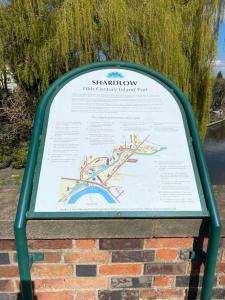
x,y
112,214
25,208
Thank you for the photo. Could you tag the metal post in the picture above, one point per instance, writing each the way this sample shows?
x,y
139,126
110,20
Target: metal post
x,y
21,238
23,206
23,263
215,224
211,258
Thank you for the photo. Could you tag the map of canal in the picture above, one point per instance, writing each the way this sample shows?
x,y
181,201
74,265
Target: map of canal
x,y
97,173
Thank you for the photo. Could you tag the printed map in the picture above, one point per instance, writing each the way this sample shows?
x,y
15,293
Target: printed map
x,y
97,173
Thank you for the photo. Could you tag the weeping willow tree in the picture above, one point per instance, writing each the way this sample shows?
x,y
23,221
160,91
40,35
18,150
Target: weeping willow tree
x,y
44,38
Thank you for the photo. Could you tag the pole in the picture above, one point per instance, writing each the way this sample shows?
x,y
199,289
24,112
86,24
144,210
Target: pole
x,y
23,206
211,258
23,263
215,224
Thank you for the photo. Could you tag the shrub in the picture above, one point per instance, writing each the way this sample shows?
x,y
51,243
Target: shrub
x,y
17,109
19,156
5,161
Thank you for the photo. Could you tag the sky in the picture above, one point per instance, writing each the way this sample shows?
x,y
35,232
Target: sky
x,y
220,59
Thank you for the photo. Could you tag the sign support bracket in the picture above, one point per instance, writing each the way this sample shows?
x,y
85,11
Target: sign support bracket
x,y
198,255
33,257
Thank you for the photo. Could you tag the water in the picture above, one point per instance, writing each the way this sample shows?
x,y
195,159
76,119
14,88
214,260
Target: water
x,y
214,148
91,190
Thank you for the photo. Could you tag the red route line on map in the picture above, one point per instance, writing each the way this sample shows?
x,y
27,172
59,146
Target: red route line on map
x,y
128,157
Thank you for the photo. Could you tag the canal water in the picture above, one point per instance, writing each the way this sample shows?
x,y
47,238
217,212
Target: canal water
x,y
214,148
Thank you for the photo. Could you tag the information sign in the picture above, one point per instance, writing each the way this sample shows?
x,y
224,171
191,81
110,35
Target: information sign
x,y
116,142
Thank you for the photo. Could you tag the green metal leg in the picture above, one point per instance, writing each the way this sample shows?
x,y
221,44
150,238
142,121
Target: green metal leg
x,y
23,263
211,259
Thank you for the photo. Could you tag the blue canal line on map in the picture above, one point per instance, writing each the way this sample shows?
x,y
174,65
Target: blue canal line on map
x,y
92,190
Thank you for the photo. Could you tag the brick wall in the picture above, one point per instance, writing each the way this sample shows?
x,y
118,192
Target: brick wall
x,y
105,269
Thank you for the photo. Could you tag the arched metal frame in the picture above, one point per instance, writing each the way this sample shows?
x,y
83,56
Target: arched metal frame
x,y
27,185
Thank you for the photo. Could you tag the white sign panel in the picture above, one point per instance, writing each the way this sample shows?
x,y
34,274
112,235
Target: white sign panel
x,y
116,141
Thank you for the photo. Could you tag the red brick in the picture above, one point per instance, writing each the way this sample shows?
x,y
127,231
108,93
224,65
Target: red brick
x,y
54,283
164,268
6,286
52,270
52,257
120,244
196,268
86,295
163,281
86,283
222,242
223,256
18,284
189,281
166,254
7,245
201,244
133,256
8,271
87,257
221,280
120,269
131,282
220,268
86,243
118,294
54,295
50,244
218,293
169,242
162,294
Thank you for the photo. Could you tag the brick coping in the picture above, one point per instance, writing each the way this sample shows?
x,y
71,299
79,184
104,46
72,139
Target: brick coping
x,y
107,228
